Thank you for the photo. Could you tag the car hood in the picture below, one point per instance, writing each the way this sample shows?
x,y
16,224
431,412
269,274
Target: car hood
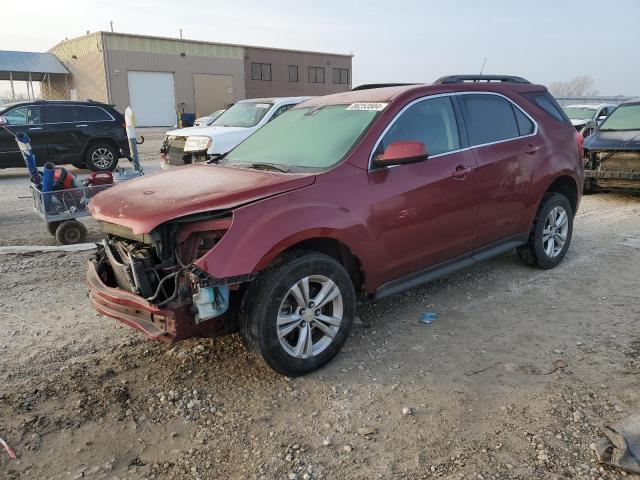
x,y
209,131
620,140
144,203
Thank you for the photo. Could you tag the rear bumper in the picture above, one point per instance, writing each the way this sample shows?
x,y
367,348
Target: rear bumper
x,y
163,324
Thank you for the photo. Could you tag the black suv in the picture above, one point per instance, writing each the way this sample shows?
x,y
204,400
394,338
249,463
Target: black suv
x,y
83,133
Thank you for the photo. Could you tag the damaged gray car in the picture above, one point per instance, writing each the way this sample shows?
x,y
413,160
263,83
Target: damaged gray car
x,y
612,153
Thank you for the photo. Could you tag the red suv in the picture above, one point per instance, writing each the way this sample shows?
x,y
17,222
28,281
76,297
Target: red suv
x,y
371,191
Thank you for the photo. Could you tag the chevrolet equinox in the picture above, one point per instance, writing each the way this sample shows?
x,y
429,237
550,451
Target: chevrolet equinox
x,y
369,192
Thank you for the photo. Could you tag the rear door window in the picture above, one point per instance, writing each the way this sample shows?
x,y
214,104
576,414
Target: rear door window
x,y
490,118
431,121
61,114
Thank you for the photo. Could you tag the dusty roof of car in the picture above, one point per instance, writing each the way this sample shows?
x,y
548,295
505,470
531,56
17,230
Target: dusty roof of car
x,y
388,94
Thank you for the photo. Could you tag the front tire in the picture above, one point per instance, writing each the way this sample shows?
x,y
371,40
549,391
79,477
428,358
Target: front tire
x,y
550,237
101,157
298,312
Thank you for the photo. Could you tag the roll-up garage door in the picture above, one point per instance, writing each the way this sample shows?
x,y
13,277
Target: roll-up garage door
x,y
153,98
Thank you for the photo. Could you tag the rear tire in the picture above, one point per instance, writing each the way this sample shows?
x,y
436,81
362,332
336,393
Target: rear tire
x,y
281,321
101,157
70,232
550,237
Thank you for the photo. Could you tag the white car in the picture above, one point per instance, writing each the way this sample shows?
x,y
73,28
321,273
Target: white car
x,y
586,117
197,144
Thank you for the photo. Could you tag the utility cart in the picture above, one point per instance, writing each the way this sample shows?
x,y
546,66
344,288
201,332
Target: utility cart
x,y
61,209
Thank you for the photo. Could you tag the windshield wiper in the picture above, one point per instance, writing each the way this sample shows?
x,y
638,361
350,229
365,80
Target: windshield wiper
x,y
269,166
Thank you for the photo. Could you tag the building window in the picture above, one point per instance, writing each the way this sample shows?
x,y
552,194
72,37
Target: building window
x,y
316,74
341,76
261,71
293,73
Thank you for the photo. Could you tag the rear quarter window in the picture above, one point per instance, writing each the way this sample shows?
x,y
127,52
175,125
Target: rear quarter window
x,y
546,102
94,114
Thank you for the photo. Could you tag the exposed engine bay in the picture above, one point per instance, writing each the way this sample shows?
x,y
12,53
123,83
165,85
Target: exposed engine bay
x,y
159,266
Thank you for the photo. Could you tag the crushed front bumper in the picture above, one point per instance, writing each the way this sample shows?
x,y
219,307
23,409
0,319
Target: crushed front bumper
x,y
164,324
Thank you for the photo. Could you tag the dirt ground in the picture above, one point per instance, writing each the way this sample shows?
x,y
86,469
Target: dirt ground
x,y
514,380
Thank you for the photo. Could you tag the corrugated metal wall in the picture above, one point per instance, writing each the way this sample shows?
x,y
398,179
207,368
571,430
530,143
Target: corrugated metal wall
x,y
83,58
182,58
99,64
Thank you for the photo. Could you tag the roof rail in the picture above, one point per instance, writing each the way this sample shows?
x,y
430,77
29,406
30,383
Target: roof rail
x,y
479,78
368,86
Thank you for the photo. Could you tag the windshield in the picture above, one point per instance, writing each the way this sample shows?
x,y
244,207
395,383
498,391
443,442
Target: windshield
x,y
243,114
580,113
625,117
308,138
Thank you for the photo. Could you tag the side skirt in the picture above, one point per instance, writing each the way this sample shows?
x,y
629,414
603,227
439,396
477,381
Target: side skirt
x,y
445,268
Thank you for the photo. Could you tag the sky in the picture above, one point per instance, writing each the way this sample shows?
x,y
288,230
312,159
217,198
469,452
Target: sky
x,y
392,41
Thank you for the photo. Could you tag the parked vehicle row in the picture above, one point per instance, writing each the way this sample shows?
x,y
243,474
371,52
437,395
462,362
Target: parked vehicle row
x,y
184,146
586,118
85,134
367,192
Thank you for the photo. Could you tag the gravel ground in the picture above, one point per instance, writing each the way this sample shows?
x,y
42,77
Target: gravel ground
x,y
514,380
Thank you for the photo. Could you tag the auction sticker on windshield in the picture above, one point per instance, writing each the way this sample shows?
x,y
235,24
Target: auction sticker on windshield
x,y
375,107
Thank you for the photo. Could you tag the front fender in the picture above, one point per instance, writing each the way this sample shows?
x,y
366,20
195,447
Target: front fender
x,y
261,231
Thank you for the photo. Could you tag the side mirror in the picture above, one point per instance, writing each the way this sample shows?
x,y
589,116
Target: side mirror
x,y
3,120
401,153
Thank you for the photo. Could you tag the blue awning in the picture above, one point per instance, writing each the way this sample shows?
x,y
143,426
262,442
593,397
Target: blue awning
x,y
21,64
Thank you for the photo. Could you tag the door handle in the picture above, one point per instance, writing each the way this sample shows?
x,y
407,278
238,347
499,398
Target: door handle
x,y
461,172
82,125
531,149
35,128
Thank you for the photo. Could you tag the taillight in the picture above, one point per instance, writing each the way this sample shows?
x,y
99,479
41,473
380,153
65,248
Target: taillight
x,y
580,143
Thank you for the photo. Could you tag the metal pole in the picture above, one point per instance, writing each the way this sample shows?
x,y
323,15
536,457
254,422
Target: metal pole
x,y
30,82
49,85
111,22
13,92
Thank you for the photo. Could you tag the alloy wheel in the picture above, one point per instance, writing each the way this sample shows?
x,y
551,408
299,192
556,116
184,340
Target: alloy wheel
x,y
310,316
554,234
102,157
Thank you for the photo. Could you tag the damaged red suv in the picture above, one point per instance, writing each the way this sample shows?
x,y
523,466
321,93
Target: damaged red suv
x,y
371,192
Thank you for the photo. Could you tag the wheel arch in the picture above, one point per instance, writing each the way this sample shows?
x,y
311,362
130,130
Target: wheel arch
x,y
95,140
566,185
330,246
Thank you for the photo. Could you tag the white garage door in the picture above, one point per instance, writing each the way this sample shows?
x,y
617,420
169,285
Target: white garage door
x,y
153,98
